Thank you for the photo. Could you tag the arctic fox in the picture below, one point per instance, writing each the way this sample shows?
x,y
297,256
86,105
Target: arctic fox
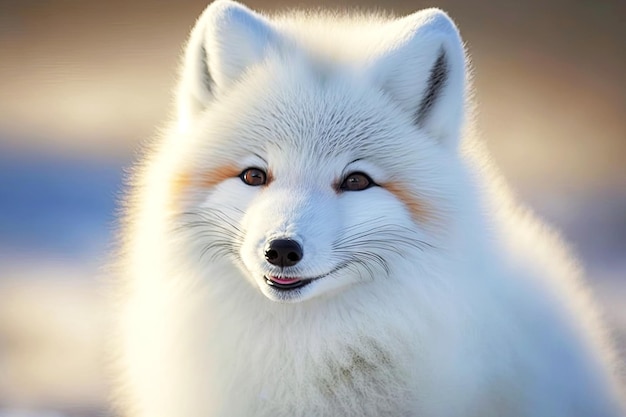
x,y
317,234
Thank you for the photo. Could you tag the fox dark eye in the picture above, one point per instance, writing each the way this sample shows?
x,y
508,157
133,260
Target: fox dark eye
x,y
356,181
253,176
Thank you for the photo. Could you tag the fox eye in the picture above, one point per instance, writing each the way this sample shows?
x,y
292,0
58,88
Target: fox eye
x,y
253,176
356,181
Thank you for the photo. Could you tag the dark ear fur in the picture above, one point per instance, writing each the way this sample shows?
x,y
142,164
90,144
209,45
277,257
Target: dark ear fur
x,y
207,80
436,83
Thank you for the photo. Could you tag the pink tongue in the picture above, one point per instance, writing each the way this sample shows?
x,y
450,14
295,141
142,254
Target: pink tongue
x,y
284,280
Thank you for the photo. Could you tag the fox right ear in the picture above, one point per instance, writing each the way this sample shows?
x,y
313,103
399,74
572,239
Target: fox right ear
x,y
227,39
423,68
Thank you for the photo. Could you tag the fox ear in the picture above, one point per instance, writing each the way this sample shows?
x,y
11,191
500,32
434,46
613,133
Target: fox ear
x,y
423,69
227,39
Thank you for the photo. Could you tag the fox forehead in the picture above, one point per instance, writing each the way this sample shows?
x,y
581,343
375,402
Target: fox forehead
x,y
294,117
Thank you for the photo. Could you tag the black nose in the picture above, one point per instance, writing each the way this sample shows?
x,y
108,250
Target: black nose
x,y
283,252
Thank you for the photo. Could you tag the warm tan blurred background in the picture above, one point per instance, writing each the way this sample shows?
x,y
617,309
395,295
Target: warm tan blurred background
x,y
82,82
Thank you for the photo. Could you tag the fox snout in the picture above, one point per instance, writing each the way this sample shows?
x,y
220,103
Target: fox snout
x,y
283,252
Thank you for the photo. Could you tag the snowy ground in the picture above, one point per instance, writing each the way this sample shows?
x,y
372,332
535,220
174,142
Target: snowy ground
x,y
55,221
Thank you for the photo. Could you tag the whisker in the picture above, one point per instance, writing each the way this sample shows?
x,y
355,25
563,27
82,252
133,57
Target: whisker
x,y
217,233
367,246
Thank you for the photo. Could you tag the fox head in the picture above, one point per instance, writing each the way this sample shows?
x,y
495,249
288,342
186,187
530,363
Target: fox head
x,y
317,160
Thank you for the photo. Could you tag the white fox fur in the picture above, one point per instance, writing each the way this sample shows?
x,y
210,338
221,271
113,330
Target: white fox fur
x,y
434,293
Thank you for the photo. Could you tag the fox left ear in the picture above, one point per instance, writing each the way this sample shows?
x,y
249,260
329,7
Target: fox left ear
x,y
423,69
226,41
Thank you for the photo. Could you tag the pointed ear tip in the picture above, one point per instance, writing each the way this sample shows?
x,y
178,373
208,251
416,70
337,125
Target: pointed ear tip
x,y
219,5
432,11
437,19
226,11
437,15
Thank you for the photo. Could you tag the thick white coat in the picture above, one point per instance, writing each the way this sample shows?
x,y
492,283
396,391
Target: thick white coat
x,y
444,297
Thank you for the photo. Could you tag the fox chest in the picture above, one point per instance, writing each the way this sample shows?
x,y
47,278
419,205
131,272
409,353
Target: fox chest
x,y
346,381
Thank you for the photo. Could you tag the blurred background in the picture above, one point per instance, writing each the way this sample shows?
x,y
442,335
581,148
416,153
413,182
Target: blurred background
x,y
83,82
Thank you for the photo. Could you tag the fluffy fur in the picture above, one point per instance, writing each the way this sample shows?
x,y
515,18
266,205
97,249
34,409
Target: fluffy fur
x,y
435,294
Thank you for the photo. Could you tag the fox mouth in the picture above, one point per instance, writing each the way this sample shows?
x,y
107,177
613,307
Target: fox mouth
x,y
286,283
